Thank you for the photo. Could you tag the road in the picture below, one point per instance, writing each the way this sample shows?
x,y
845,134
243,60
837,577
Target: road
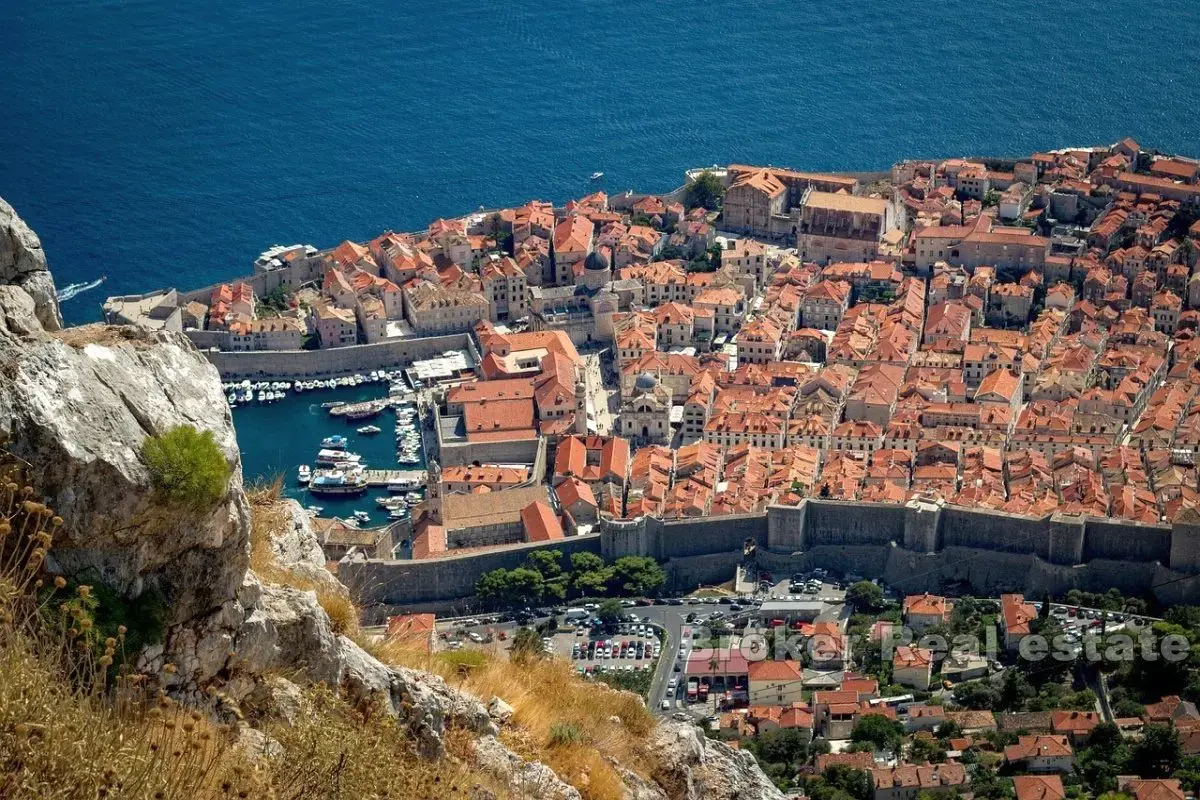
x,y
671,619
668,618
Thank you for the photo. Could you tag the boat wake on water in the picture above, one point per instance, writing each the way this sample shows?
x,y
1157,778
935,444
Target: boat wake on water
x,y
75,289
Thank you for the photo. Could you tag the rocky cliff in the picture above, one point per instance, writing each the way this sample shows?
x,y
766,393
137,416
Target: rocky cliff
x,y
76,406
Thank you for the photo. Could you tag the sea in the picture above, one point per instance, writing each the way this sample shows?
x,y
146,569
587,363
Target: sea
x,y
276,438
159,143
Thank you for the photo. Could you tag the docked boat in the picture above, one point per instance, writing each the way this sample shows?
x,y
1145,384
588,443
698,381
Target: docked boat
x,y
334,442
403,485
389,503
314,510
398,513
369,430
303,474
333,404
331,458
338,482
362,516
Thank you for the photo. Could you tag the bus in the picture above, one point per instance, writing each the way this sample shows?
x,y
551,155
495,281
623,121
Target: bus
x,y
692,687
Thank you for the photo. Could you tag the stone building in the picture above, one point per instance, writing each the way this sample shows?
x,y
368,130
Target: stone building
x,y
842,227
646,412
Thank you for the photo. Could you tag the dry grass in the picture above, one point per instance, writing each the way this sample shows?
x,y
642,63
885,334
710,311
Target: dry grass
x,y
559,718
69,729
80,336
269,516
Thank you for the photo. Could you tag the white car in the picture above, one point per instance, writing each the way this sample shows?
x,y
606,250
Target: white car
x,y
666,705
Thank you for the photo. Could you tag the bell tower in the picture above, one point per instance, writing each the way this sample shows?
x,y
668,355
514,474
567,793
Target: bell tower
x,y
434,491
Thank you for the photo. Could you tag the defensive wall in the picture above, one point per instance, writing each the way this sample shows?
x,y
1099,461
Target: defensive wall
x,y
378,582
915,547
334,361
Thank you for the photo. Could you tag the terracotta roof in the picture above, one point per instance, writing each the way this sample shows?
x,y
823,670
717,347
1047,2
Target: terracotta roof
x,y
775,670
1038,787
1038,747
572,491
541,525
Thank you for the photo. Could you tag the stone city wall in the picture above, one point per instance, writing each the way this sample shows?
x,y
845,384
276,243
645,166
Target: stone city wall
x,y
918,547
431,580
334,361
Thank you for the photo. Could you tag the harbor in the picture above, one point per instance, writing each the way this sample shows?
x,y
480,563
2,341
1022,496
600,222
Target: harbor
x,y
367,474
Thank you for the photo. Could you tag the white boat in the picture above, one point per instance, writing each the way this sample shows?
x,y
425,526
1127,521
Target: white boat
x,y
362,516
314,509
337,482
336,442
337,457
403,485
369,429
398,513
596,176
303,474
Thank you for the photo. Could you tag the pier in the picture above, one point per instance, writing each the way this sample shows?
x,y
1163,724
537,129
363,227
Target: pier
x,y
380,478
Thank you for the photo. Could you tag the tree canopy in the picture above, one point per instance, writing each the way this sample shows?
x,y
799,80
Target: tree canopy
x,y
706,191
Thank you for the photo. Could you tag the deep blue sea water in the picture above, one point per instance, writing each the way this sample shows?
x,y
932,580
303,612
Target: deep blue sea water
x,y
165,143
169,143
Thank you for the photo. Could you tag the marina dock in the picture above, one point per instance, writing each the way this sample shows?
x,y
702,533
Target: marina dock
x,y
380,478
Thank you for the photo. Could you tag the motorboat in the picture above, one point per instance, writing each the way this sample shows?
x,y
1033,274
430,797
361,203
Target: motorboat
x,y
330,458
404,485
596,176
369,430
336,442
398,513
337,482
362,516
303,474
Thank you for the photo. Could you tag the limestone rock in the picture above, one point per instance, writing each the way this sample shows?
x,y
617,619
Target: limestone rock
x,y
23,264
637,787
696,767
287,629
499,710
525,778
297,548
256,744
78,405
274,698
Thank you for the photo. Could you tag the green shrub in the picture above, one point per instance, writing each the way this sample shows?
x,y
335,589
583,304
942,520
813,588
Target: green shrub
x,y
563,734
187,468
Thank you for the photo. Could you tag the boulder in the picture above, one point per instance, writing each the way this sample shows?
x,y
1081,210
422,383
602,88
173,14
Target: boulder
x,y
78,405
499,710
524,778
296,547
23,264
695,767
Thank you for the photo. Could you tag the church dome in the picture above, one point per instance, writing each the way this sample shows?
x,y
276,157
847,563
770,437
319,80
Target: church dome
x,y
645,382
596,261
